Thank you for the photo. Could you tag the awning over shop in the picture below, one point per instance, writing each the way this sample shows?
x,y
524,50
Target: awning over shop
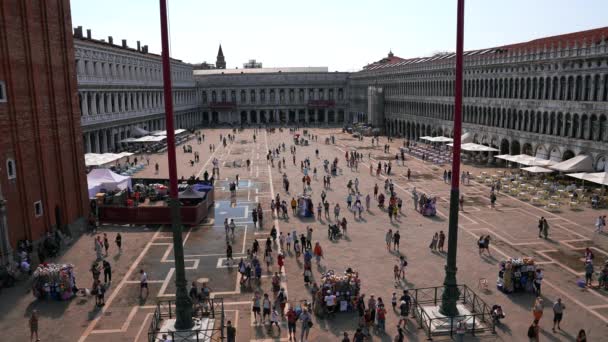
x,y
438,139
580,163
527,160
595,177
146,139
471,147
177,131
97,159
537,169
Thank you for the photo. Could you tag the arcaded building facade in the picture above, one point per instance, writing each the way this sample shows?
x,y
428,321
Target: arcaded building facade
x,y
42,172
121,88
547,97
306,96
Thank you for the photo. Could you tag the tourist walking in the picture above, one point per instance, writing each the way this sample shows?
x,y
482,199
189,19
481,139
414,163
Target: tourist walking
x,y
588,272
538,278
545,229
396,238
143,283
118,242
581,336
558,313
230,332
538,309
306,319
534,331
441,241
107,272
106,243
389,239
433,245
34,325
318,252
292,317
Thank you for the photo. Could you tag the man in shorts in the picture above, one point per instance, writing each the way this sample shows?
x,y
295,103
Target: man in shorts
x,y
292,317
256,307
558,313
143,283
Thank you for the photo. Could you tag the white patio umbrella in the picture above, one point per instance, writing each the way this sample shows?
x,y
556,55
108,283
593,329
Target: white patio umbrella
x,y
594,177
537,169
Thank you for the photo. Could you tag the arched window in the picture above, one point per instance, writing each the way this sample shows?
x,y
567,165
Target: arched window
x,y
11,169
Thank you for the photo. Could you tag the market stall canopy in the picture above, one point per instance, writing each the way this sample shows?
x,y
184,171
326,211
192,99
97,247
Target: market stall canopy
x,y
426,138
507,157
99,179
442,139
177,131
580,163
438,139
537,169
139,132
466,138
595,177
96,159
471,147
527,160
190,193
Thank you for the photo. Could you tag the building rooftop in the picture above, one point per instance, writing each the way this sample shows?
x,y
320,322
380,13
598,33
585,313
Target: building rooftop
x,y
588,37
258,70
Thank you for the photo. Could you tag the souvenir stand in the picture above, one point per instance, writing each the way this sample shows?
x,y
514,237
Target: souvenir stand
x,y
516,275
305,206
54,281
427,205
345,287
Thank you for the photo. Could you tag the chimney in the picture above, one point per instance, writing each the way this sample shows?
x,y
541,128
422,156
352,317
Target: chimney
x,y
124,43
110,40
78,32
138,46
88,33
144,49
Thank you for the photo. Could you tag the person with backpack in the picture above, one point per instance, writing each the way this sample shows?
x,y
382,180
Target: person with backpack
x,y
306,319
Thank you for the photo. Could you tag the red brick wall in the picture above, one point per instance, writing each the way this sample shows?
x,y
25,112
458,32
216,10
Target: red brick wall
x,y
40,122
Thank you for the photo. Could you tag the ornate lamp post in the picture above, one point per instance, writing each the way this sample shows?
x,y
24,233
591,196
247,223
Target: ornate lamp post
x,y
451,292
183,310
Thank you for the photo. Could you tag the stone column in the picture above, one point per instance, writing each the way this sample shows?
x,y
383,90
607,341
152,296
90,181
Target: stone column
x,y
94,103
87,142
112,141
600,92
104,141
85,103
97,142
102,106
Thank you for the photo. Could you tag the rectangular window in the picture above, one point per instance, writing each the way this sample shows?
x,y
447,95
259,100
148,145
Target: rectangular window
x,y
38,208
2,91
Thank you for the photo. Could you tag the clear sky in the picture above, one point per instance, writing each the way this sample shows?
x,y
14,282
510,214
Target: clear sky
x,y
343,35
